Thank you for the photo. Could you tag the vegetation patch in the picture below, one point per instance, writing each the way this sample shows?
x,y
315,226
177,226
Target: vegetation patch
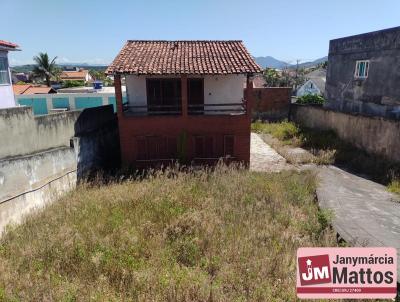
x,y
211,235
311,99
327,148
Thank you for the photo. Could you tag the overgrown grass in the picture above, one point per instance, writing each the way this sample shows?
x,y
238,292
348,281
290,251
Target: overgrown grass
x,y
328,148
394,186
221,235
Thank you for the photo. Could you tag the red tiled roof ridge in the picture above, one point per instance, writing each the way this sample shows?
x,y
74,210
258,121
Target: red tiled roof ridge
x,y
189,57
8,44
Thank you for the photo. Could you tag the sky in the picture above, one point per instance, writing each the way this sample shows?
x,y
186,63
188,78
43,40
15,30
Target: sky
x,y
93,31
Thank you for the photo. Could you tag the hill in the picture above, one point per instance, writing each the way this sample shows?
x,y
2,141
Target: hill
x,y
270,62
29,67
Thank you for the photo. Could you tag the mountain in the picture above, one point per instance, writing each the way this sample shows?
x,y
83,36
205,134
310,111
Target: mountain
x,y
270,62
29,67
312,63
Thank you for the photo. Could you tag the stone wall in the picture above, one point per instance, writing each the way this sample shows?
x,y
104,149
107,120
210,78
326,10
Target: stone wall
x,y
42,157
271,103
375,135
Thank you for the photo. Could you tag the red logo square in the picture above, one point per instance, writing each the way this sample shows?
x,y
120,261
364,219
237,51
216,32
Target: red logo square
x,y
314,269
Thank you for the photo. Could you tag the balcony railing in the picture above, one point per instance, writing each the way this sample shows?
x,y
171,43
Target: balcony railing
x,y
201,109
152,110
217,109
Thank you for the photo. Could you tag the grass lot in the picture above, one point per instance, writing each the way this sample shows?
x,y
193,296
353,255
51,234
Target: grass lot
x,y
327,148
222,235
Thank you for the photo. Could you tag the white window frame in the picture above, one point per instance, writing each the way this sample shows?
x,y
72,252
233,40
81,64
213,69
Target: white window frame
x,y
6,71
357,74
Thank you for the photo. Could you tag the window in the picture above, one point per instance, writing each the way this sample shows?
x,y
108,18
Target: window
x,y
4,73
196,96
163,95
362,69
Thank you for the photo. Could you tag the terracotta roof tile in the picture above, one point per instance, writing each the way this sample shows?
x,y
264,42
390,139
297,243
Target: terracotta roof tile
x,y
8,44
30,89
74,75
183,57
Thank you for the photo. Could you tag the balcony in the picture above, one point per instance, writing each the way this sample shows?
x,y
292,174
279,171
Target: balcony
x,y
238,108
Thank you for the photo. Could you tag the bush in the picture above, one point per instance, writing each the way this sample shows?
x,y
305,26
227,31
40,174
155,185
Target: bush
x,y
311,99
282,131
69,84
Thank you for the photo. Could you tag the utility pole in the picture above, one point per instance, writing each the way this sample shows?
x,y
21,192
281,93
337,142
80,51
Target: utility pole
x,y
297,74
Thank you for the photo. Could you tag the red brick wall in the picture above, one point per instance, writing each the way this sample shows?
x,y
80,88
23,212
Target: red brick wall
x,y
271,102
134,130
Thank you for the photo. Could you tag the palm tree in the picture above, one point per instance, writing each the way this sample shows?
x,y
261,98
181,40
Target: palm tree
x,y
44,67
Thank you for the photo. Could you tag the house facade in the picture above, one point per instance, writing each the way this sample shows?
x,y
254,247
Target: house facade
x,y
185,101
364,75
76,75
315,83
6,91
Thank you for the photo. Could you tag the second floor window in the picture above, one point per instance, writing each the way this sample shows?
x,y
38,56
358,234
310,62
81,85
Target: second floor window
x,y
4,73
362,69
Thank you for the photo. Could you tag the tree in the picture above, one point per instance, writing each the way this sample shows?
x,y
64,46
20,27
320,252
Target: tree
x,y
97,75
271,77
44,67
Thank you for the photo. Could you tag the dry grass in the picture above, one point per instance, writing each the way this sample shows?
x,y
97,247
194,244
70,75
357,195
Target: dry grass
x,y
327,148
221,235
394,186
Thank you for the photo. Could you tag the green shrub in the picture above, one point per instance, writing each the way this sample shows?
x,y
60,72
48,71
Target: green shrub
x,y
311,99
283,131
394,186
69,84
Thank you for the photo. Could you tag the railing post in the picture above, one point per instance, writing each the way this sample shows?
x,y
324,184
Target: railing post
x,y
118,94
184,95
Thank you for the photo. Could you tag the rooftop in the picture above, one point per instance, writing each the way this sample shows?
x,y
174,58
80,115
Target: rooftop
x,y
31,89
5,45
183,57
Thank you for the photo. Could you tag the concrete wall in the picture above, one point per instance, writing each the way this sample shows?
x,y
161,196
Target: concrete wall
x,y
376,135
217,89
271,103
45,103
6,92
379,93
42,157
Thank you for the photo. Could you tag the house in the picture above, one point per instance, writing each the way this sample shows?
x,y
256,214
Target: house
x,y
315,83
76,75
32,89
6,91
185,101
363,74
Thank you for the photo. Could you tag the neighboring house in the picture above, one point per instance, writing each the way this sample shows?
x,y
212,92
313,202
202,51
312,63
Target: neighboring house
x,y
363,74
6,91
77,75
315,83
32,89
185,101
20,77
259,81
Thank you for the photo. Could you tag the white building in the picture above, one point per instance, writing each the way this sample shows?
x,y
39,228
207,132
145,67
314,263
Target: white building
x,y
6,90
315,83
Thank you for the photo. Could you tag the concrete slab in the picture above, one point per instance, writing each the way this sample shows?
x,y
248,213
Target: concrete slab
x,y
263,158
365,213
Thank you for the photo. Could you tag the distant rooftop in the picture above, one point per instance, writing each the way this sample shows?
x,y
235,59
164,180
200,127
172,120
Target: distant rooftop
x,y
5,45
183,57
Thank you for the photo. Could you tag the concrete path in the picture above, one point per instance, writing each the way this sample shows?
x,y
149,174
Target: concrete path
x,y
365,213
263,158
